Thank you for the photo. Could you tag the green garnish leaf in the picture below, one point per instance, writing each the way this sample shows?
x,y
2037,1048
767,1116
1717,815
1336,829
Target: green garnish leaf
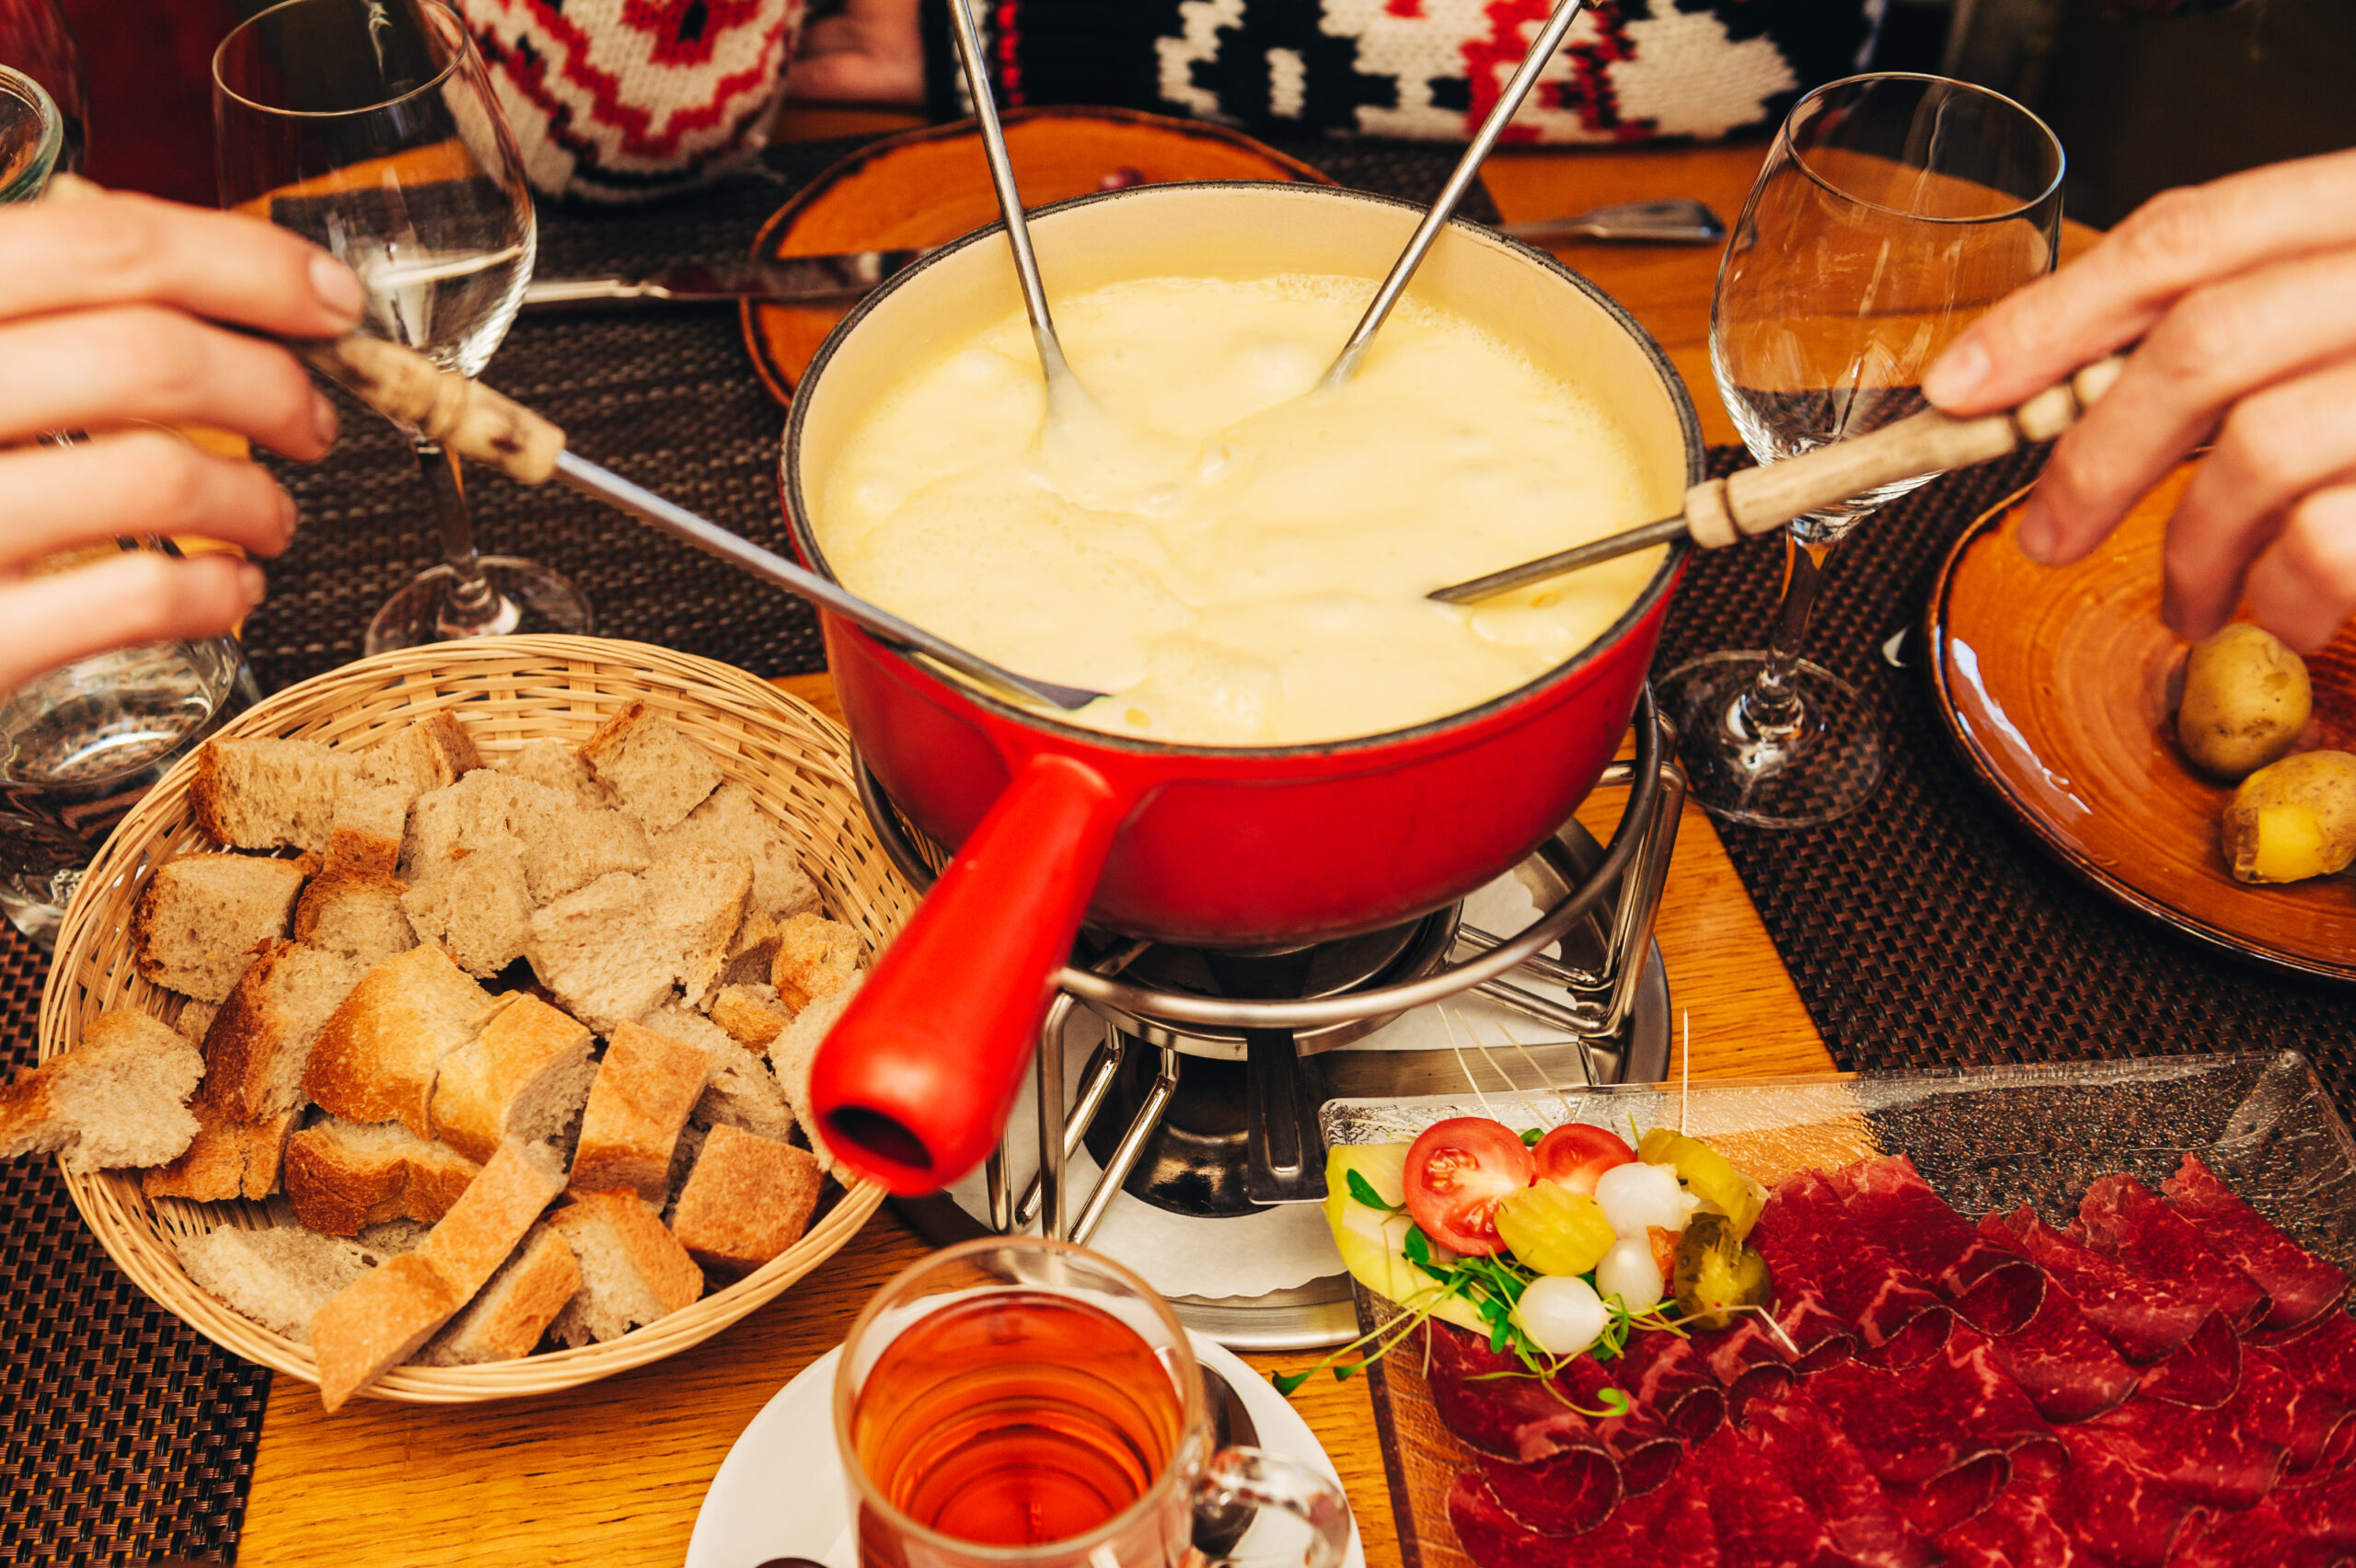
x,y
1613,1401
1417,1246
1345,1371
1498,1336
1363,1190
1287,1382
1529,1136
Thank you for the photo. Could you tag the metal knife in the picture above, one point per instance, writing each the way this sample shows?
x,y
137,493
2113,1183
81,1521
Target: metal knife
x,y
1656,222
790,280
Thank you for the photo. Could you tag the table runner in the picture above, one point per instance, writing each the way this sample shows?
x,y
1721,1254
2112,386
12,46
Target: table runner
x,y
1926,928
125,1436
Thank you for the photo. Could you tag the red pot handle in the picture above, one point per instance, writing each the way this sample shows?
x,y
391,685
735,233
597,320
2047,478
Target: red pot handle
x,y
915,1083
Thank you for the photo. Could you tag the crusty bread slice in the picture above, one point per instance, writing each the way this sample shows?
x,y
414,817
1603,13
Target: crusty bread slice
x,y
556,764
268,794
119,1098
479,911
657,774
645,1087
278,1276
354,911
229,1158
198,920
376,1059
752,1014
431,754
485,810
257,1049
743,1093
633,1270
791,1054
194,1020
370,822
748,1199
731,821
342,1176
696,900
507,1318
597,951
524,1076
381,1319
816,957
577,845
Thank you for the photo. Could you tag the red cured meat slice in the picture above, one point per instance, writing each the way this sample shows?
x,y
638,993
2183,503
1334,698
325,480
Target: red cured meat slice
x,y
2121,1513
1749,1364
1492,1539
1832,1477
2022,1527
2302,1285
2121,1219
2203,1372
2276,1405
1648,1452
1812,1244
1994,1288
1512,1418
1561,1497
1671,1525
1811,1327
2144,1318
1762,1521
2326,1506
1670,1379
1934,1507
2267,1535
2068,1371
2200,1453
1918,1424
2324,1355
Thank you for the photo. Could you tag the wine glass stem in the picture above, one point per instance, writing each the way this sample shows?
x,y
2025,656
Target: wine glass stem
x,y
471,602
1772,706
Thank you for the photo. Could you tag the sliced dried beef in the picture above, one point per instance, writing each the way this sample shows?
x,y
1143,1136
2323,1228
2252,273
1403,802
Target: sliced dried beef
x,y
1646,1450
1920,1422
1994,1288
1559,1496
1749,1364
2122,1513
2202,1454
1515,1417
2274,1403
2023,1526
1934,1507
2123,1219
2270,1535
1813,1245
1831,1477
2324,1353
2324,1505
2068,1371
2302,1285
1671,1378
1668,1527
1762,1522
2144,1318
1492,1539
2200,1374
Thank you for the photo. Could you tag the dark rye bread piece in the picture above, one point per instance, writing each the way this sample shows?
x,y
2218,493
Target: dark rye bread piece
x,y
258,1046
377,1059
197,921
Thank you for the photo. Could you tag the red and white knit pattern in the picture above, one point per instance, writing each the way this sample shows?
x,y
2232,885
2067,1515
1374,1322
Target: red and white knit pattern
x,y
623,100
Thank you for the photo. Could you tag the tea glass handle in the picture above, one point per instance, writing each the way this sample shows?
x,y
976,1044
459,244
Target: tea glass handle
x,y
1261,1480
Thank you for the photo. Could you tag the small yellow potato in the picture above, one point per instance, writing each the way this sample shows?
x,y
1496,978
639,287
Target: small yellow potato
x,y
2246,699
2293,819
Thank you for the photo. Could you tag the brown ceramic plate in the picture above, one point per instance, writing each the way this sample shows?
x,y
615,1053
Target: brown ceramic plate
x,y
2056,684
927,187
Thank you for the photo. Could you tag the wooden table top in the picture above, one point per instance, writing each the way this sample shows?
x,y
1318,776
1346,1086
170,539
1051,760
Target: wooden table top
x,y
613,1473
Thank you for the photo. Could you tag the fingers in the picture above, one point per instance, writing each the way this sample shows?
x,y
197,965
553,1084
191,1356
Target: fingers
x,y
2303,588
101,368
2178,241
137,482
2216,346
131,599
129,250
2276,446
872,52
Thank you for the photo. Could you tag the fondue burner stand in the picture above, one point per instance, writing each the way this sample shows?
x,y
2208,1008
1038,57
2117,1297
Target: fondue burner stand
x,y
1201,1099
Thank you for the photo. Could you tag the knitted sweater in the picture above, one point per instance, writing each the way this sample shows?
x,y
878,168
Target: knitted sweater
x,y
1633,70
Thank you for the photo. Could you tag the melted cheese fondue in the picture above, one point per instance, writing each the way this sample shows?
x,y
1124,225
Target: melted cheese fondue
x,y
1239,559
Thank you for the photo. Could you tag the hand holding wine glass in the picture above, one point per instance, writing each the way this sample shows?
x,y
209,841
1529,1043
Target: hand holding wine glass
x,y
371,128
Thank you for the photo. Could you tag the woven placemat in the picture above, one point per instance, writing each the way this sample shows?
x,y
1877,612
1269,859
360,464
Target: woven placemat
x,y
1926,928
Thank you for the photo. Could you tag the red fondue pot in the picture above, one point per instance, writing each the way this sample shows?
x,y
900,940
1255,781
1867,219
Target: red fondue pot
x,y
1232,847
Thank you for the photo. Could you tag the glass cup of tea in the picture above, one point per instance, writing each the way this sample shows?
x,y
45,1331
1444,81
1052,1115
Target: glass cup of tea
x,y
1018,1403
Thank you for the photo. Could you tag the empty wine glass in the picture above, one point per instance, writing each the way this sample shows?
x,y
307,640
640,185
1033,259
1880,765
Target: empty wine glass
x,y
1892,210
369,126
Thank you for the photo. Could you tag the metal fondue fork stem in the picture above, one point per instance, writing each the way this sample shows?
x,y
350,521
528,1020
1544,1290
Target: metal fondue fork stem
x,y
1541,50
1061,383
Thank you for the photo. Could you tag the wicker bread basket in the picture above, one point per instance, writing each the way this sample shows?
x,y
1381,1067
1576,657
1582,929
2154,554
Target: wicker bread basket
x,y
506,691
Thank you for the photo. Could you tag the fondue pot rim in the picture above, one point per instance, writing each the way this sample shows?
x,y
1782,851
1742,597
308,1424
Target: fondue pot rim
x,y
806,536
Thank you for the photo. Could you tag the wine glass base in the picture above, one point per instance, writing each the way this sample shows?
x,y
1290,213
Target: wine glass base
x,y
532,598
1822,770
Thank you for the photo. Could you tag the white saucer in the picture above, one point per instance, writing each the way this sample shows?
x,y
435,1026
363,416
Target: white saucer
x,y
780,1490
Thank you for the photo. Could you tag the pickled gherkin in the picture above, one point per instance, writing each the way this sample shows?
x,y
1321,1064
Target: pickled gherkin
x,y
1554,1229
1708,1175
1717,1272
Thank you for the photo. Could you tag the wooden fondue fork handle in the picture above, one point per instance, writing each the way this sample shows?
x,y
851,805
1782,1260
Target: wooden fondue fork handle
x,y
1758,500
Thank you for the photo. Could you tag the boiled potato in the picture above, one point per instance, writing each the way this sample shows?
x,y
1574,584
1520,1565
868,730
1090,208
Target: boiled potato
x,y
2293,819
2246,699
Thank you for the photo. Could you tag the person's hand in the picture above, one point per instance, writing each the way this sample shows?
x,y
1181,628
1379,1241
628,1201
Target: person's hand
x,y
2243,293
866,53
110,318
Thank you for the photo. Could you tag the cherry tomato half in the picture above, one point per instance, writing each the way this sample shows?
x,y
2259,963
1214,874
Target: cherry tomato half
x,y
1456,1173
1575,1154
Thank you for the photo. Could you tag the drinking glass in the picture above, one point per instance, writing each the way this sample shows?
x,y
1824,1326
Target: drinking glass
x,y
1892,210
368,126
1018,1403
36,40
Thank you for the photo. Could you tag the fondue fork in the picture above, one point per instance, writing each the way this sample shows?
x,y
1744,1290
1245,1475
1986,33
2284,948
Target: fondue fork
x,y
1541,50
1758,500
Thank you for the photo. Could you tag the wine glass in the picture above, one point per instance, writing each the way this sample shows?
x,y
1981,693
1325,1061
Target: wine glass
x,y
369,126
1892,210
